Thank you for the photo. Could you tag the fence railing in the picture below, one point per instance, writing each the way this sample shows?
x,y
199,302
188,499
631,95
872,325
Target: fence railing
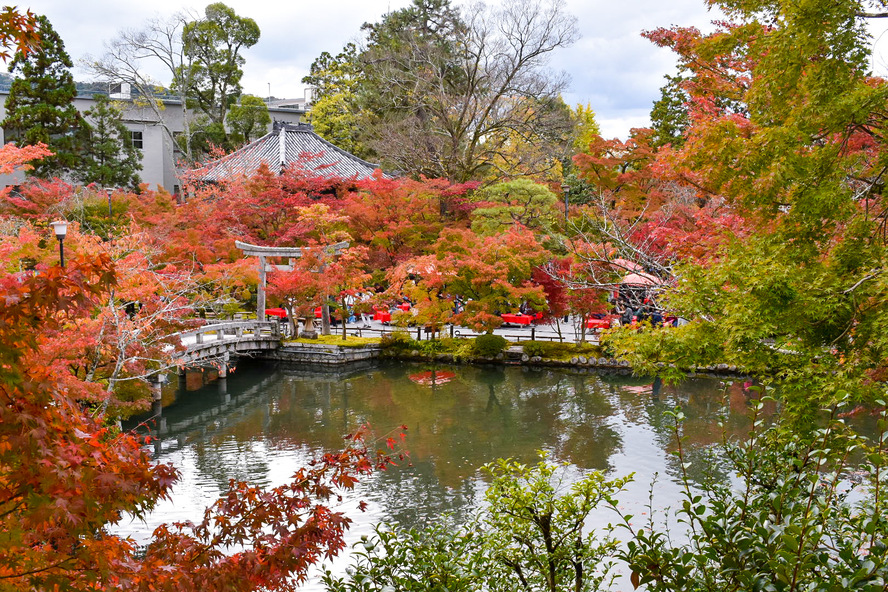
x,y
422,334
234,329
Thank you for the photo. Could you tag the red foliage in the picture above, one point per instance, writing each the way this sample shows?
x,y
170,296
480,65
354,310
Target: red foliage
x,y
397,218
17,30
694,234
39,200
64,477
556,292
624,172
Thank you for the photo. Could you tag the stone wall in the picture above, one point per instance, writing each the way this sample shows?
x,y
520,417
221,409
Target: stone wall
x,y
319,353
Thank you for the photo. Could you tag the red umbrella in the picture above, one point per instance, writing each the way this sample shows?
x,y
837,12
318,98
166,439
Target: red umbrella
x,y
430,377
276,312
626,265
641,279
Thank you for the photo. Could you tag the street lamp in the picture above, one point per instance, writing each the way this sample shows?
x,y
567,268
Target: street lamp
x,y
60,227
110,213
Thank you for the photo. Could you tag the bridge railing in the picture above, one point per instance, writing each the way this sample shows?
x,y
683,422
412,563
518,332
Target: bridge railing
x,y
234,329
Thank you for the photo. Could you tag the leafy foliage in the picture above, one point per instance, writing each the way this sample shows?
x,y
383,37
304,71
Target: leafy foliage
x,y
214,44
786,131
335,114
461,94
18,29
530,537
493,273
40,105
109,158
65,477
669,116
790,525
538,528
521,202
249,119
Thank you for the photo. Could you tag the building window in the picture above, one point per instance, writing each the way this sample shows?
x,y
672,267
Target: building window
x,y
137,139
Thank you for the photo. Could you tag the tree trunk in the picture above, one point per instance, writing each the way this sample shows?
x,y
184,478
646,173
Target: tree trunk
x,y
325,318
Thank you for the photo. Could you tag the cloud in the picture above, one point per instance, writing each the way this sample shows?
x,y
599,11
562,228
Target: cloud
x,y
611,66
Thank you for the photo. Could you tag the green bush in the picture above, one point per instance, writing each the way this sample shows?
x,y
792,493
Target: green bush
x,y
532,530
805,511
429,346
488,345
535,348
788,523
546,349
397,340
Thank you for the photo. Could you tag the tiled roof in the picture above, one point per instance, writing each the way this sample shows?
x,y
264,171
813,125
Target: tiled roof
x,y
285,145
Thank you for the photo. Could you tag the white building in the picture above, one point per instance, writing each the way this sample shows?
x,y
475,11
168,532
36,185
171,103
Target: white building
x,y
151,134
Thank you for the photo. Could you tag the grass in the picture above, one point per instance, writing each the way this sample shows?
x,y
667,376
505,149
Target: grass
x,y
337,340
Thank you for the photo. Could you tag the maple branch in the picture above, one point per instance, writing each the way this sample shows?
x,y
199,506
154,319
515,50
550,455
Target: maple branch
x,y
21,574
874,274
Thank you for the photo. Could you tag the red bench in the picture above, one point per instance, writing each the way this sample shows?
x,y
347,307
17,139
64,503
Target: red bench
x,y
517,319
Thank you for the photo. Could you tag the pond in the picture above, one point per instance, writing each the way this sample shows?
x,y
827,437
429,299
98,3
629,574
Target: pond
x,y
263,422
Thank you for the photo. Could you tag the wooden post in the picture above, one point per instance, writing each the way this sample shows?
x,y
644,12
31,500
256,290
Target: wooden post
x,y
260,297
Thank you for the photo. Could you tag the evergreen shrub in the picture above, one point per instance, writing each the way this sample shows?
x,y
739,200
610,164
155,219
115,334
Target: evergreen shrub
x,y
488,345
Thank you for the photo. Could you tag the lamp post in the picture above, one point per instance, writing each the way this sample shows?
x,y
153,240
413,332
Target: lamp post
x,y
60,227
110,212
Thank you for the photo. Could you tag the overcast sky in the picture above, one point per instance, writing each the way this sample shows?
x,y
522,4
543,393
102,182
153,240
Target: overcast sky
x,y
611,67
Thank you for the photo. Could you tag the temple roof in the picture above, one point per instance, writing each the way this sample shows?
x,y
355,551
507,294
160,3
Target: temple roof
x,y
285,145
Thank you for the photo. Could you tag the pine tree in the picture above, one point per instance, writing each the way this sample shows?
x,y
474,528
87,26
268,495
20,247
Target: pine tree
x,y
109,158
40,106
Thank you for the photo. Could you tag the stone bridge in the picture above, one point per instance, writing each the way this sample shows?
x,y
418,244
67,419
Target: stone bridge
x,y
219,341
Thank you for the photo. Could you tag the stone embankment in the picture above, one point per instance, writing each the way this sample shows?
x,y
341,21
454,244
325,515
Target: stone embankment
x,y
321,353
335,355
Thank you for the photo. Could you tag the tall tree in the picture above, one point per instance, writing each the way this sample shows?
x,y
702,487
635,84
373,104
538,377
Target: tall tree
x,y
669,116
214,45
788,126
445,93
109,158
586,128
40,105
335,111
125,60
585,131
249,119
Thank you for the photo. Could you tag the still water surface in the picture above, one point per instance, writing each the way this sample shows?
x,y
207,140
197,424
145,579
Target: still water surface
x,y
263,422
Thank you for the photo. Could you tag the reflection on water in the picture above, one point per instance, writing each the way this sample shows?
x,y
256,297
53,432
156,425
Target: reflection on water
x,y
260,424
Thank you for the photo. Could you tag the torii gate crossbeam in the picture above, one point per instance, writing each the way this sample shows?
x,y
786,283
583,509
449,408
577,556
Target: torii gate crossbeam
x,y
287,252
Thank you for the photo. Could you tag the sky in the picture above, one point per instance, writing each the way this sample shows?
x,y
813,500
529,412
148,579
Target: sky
x,y
611,67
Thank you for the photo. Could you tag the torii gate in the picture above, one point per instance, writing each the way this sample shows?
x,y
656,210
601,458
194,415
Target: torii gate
x,y
265,252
